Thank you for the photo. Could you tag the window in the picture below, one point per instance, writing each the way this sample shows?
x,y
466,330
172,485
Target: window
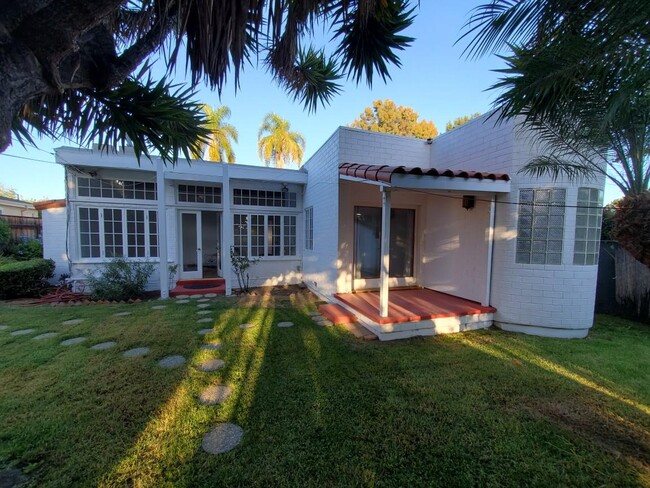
x,y
199,194
589,216
117,232
264,198
120,189
309,228
264,235
540,226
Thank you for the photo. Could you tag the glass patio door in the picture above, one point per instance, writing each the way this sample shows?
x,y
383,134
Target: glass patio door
x,y
191,254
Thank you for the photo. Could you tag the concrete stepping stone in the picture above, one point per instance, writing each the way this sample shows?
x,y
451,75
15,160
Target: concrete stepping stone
x,y
181,297
158,307
22,332
203,300
285,324
203,305
205,331
73,322
213,346
205,321
172,361
210,295
215,394
121,314
223,438
102,346
325,323
314,314
196,297
74,341
182,301
204,312
47,335
136,352
246,326
210,365
3,327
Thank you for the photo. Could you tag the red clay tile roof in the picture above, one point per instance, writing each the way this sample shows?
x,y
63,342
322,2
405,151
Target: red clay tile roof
x,y
384,173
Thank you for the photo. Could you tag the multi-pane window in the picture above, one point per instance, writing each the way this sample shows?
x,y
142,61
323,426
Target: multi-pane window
x,y
117,232
199,194
264,235
540,226
309,228
264,198
588,221
120,189
89,232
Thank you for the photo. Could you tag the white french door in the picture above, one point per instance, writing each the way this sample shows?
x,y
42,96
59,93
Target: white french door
x,y
200,244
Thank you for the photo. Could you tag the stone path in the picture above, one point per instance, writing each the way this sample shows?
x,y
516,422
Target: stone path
x,y
102,346
320,320
315,314
215,394
47,335
210,365
213,346
73,341
158,307
22,332
285,324
195,297
203,300
223,438
210,295
3,327
172,361
136,352
121,314
204,321
181,297
73,322
204,312
205,331
246,326
182,301
203,305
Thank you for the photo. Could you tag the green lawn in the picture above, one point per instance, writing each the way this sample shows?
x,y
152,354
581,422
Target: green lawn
x,y
319,407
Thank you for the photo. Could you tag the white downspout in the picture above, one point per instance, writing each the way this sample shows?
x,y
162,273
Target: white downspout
x,y
162,229
226,229
490,253
385,252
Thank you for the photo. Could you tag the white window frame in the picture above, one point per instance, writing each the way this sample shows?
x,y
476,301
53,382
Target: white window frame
x,y
117,199
309,228
248,216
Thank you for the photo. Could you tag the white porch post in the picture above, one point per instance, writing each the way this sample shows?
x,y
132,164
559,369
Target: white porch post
x,y
385,252
226,230
490,252
162,230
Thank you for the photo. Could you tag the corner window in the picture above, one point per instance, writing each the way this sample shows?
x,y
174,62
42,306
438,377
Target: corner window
x,y
589,217
309,228
540,226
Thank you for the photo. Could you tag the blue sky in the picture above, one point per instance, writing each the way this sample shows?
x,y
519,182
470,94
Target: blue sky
x,y
434,80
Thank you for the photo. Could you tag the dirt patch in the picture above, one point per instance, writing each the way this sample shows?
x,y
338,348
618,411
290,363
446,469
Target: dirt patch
x,y
597,424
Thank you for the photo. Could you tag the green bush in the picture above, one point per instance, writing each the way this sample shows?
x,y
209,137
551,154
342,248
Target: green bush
x,y
25,278
28,249
5,236
120,280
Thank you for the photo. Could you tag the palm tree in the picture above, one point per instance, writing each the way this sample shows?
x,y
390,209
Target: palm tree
x,y
277,144
219,145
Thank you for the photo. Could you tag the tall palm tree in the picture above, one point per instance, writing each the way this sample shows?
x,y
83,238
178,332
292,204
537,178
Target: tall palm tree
x,y
219,145
277,144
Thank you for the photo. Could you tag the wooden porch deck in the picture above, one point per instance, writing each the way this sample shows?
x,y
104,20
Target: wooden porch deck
x,y
411,305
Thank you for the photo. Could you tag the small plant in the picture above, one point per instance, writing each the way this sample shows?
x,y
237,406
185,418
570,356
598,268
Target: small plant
x,y
173,269
240,265
120,280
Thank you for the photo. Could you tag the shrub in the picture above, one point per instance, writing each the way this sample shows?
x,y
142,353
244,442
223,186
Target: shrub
x,y
25,278
240,265
28,249
120,280
5,236
632,225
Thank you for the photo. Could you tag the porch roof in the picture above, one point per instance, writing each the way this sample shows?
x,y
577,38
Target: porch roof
x,y
426,178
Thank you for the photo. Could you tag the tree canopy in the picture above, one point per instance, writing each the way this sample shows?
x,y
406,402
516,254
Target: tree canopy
x,y
7,191
458,121
277,144
385,116
219,145
70,67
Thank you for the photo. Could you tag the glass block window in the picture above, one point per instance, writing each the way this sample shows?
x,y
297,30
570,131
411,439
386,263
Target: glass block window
x,y
289,235
240,235
540,226
309,228
589,215
135,234
89,233
257,235
116,189
264,198
199,194
265,235
113,233
153,233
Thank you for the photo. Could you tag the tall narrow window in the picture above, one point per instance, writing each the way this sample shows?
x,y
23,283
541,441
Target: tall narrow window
x,y
257,235
240,235
589,216
289,235
113,233
540,226
309,228
274,230
153,233
89,232
135,232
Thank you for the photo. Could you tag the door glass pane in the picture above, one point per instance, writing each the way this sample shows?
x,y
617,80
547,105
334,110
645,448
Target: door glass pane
x,y
190,244
368,242
210,244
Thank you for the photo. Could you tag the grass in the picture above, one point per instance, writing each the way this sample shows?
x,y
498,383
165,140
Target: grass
x,y
318,406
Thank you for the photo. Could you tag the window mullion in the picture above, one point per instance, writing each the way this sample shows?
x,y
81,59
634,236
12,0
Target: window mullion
x,y
102,229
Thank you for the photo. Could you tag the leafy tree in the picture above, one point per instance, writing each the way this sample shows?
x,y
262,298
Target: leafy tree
x,y
458,121
219,146
277,144
67,66
8,192
578,73
385,116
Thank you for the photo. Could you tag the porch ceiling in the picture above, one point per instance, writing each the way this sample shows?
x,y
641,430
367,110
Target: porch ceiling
x,y
426,178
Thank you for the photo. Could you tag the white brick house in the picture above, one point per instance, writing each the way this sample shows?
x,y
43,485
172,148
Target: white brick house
x,y
521,253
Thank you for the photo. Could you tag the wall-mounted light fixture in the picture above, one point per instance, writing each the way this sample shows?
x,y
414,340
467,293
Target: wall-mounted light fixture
x,y
430,141
469,201
285,188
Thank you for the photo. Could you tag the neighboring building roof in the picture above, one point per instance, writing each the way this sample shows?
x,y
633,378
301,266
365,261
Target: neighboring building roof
x,y
45,204
14,201
385,173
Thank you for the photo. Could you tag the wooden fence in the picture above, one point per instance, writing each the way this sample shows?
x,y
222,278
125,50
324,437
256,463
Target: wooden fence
x,y
24,227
